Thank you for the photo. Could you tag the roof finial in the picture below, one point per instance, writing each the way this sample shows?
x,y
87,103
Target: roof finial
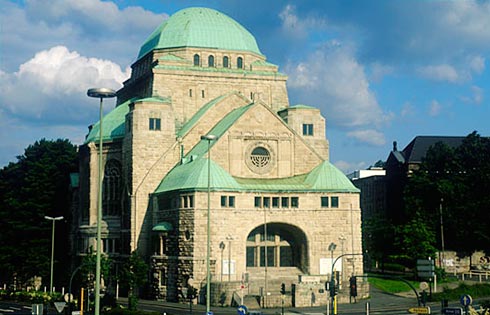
x,y
395,146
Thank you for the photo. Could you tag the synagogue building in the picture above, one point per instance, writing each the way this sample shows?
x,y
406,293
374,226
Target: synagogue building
x,y
204,142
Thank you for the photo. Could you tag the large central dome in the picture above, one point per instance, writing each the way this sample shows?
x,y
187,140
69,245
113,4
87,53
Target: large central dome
x,y
200,27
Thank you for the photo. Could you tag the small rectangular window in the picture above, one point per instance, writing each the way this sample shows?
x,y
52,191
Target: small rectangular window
x,y
186,202
285,202
191,201
258,202
223,201
231,201
324,201
202,93
275,202
190,92
307,129
267,202
294,202
334,202
155,124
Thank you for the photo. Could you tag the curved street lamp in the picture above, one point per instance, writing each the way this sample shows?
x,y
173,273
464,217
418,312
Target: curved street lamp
x,y
100,93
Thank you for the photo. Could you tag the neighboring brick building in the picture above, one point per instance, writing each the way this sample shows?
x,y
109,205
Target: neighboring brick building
x,y
275,199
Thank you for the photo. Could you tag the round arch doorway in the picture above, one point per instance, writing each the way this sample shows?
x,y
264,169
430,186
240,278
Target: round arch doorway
x,y
286,247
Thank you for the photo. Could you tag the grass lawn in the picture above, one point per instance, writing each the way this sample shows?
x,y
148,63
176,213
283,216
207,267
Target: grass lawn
x,y
392,286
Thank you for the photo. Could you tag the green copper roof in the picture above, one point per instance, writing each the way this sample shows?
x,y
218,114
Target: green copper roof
x,y
327,177
163,227
114,122
193,175
200,27
194,119
302,106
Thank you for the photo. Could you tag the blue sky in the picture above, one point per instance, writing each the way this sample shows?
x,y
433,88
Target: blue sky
x,y
380,71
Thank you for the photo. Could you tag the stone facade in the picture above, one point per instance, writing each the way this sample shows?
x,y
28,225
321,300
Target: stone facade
x,y
275,202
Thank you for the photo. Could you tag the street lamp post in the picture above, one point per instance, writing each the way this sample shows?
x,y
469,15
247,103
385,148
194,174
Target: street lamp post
x,y
208,138
229,238
100,93
52,249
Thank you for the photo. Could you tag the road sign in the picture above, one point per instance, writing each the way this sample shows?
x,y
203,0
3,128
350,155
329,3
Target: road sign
x,y
242,310
452,311
425,268
68,297
419,310
59,306
466,300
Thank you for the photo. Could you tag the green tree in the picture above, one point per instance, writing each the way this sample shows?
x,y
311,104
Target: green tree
x,y
416,239
134,274
451,186
35,186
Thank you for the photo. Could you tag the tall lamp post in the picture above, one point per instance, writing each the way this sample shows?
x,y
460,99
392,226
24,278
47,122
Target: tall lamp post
x,y
208,138
100,93
52,249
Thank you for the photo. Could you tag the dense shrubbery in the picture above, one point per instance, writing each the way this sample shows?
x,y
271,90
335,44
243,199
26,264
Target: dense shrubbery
x,y
475,291
29,296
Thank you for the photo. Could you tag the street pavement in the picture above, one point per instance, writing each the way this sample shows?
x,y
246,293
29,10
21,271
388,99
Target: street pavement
x,y
380,303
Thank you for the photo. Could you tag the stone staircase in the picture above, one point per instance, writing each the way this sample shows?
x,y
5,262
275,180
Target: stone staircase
x,y
275,277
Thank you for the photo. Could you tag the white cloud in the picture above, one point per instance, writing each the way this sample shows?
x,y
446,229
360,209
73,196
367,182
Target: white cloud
x,y
477,64
294,26
332,79
349,167
407,110
59,70
477,96
91,27
45,85
379,71
435,108
443,72
369,136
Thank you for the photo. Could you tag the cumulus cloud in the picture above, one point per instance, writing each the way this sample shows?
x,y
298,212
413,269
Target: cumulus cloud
x,y
407,110
91,27
332,79
53,78
369,136
477,96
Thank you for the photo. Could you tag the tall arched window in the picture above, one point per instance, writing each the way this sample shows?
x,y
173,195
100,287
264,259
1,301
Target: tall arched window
x,y
196,60
112,189
225,62
239,63
211,61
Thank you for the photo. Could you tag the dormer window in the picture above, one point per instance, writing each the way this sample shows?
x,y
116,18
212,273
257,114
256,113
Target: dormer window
x,y
196,60
211,61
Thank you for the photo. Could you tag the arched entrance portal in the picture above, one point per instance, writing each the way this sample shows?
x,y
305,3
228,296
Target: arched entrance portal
x,y
286,247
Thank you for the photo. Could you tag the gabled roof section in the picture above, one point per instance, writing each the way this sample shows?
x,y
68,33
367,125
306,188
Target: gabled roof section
x,y
192,175
194,119
417,149
201,148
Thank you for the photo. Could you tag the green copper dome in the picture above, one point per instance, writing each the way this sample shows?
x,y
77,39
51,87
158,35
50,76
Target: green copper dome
x,y
200,27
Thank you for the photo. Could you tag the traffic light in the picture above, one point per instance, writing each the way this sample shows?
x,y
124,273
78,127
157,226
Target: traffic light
x,y
283,288
332,288
353,286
